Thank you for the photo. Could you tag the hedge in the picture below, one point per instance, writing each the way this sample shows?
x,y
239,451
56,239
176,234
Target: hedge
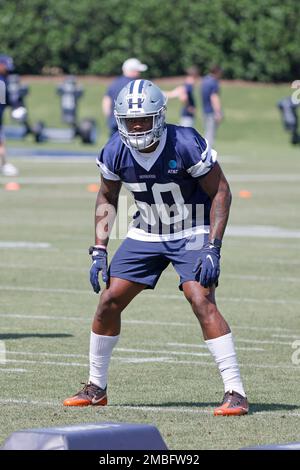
x,y
250,39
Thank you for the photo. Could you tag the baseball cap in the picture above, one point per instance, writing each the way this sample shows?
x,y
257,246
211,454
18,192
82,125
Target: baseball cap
x,y
133,64
7,61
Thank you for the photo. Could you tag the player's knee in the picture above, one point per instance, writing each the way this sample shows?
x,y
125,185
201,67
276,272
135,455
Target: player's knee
x,y
203,307
109,304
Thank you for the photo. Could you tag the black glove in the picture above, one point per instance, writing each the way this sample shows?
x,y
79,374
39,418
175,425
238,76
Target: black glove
x,y
99,257
209,263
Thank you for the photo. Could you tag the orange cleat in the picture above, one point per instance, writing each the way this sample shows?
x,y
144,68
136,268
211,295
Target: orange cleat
x,y
233,404
91,394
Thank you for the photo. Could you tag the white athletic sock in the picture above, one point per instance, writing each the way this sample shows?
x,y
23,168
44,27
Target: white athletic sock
x,y
101,348
223,352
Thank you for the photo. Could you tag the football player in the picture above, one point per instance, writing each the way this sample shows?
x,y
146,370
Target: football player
x,y
183,202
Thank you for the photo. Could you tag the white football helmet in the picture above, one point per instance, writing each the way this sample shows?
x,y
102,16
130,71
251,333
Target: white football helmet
x,y
140,98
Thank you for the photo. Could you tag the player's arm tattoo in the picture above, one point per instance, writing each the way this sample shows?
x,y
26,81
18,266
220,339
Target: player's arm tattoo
x,y
217,187
106,209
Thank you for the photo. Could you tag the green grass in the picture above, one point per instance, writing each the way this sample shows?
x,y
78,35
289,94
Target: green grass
x,y
46,303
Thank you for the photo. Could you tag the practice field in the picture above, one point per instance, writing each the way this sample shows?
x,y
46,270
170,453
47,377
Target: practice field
x,y
161,372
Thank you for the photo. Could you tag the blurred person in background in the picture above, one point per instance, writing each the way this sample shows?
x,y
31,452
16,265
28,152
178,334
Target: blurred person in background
x,y
131,69
211,103
185,94
6,66
288,110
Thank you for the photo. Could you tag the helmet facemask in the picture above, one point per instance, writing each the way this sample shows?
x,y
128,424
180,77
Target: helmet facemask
x,y
143,139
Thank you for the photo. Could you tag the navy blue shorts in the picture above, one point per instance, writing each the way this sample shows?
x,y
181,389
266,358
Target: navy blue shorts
x,y
143,262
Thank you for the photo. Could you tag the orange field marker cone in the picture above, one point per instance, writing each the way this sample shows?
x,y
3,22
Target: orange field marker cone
x,y
93,188
12,186
245,194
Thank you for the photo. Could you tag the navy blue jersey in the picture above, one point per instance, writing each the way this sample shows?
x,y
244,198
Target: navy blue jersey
x,y
171,204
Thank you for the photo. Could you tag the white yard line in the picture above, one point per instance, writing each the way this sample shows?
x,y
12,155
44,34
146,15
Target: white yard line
x,y
157,359
261,231
25,401
293,262
238,177
252,243
135,350
46,354
2,369
87,159
189,345
264,178
158,323
262,341
152,409
41,267
267,329
64,180
22,245
159,351
159,295
230,299
212,364
141,360
287,336
48,363
249,277
141,322
44,289
259,301
43,317
195,410
242,277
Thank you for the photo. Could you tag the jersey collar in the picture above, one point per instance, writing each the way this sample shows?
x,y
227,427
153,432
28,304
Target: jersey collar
x,y
147,160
